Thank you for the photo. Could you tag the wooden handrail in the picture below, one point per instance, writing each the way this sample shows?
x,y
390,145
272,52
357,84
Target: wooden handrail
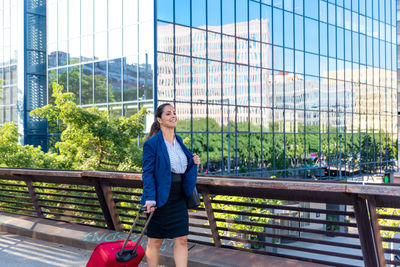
x,y
98,186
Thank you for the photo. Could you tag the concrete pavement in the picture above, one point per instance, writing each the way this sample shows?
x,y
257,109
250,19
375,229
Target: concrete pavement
x,y
18,251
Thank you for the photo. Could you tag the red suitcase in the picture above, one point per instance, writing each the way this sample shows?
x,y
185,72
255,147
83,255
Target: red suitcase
x,y
119,253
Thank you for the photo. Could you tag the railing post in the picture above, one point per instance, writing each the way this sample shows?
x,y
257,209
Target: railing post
x,y
111,207
376,230
35,200
210,216
104,206
367,224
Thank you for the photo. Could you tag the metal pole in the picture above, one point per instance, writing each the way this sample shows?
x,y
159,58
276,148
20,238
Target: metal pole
x,y
229,142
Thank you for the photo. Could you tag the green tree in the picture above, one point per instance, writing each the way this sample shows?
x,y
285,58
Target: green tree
x,y
12,154
92,139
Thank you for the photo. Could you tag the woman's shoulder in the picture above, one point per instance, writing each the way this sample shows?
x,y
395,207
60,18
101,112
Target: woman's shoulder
x,y
151,141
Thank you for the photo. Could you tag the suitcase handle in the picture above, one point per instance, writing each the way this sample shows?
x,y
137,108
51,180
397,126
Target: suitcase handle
x,y
126,255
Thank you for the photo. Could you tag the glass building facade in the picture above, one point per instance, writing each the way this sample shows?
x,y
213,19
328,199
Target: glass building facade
x,y
9,55
103,51
278,88
270,88
23,67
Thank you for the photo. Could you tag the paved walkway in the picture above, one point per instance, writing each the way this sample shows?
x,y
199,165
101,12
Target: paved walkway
x,y
16,251
24,251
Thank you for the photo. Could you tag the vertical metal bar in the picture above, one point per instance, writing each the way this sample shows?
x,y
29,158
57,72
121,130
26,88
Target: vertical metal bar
x,y
35,200
365,232
111,207
376,231
104,207
210,216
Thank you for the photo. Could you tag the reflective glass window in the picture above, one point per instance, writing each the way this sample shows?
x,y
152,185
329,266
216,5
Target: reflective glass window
x,y
199,13
288,5
100,82
298,6
87,48
311,8
100,15
146,37
100,45
87,17
114,80
130,78
74,82
228,17
130,11
299,32
115,44
299,62
115,14
87,84
289,60
311,35
241,18
74,18
254,21
288,35
340,43
311,64
165,9
182,12
266,23
277,26
74,50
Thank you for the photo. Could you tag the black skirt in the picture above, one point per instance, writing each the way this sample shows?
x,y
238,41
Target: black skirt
x,y
171,220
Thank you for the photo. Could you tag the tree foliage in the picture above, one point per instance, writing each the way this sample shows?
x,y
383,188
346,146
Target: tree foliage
x,y
92,139
12,154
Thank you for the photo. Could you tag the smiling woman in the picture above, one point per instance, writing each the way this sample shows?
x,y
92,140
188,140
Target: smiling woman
x,y
169,178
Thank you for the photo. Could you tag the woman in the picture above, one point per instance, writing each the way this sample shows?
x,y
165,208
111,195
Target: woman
x,y
169,178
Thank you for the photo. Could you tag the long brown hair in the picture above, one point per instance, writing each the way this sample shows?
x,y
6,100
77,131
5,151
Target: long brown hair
x,y
155,127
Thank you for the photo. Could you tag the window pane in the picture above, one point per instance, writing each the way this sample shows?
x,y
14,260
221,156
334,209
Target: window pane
x,y
100,82
87,84
214,16
165,77
74,82
199,13
182,12
228,17
130,11
130,78
115,14
114,80
100,15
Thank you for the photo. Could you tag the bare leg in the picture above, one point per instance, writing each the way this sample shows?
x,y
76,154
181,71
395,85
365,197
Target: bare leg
x,y
152,251
181,251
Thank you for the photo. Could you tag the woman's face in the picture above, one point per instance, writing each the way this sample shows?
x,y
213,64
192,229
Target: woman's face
x,y
168,117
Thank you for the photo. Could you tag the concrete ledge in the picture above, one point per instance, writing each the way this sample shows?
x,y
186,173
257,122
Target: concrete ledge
x,y
87,237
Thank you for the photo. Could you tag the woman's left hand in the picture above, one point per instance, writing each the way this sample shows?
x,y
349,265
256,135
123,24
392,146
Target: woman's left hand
x,y
196,159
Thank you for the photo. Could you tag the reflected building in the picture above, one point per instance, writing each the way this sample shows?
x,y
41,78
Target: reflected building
x,y
198,80
267,88
23,67
306,86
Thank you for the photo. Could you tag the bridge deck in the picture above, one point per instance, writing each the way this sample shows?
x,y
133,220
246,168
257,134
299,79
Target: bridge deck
x,y
86,237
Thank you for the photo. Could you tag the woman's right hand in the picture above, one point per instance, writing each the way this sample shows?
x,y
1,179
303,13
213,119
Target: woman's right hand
x,y
150,207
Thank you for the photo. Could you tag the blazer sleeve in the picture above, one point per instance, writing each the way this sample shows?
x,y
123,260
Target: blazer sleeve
x,y
149,184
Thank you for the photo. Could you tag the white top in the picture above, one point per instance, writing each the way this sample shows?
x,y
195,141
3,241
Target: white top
x,y
177,157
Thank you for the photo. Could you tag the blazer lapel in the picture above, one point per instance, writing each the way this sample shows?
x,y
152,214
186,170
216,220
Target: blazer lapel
x,y
164,149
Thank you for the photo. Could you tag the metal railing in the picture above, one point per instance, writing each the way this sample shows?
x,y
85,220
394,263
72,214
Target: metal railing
x,y
340,224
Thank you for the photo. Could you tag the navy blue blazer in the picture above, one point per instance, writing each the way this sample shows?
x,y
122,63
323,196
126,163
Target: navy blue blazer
x,y
157,170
